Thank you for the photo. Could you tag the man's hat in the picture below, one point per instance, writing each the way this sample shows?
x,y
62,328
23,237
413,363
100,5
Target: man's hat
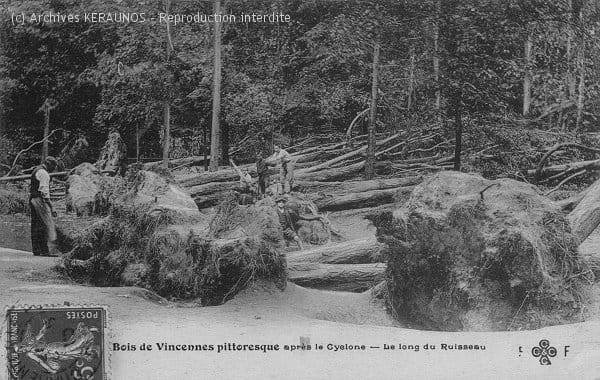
x,y
280,198
51,161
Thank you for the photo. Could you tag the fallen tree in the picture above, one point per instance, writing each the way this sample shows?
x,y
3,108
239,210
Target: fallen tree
x,y
564,169
213,187
340,277
335,174
361,251
355,186
186,161
557,148
337,202
223,175
585,217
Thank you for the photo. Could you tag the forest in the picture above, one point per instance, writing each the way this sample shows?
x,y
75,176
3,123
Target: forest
x,y
445,151
489,75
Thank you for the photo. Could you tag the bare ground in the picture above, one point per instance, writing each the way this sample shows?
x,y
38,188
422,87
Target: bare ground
x,y
264,314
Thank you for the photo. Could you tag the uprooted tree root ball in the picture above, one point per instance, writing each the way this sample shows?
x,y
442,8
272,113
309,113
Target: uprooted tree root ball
x,y
468,254
136,247
140,243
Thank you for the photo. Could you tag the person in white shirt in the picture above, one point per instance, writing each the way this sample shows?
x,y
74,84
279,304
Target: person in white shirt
x,y
286,168
43,230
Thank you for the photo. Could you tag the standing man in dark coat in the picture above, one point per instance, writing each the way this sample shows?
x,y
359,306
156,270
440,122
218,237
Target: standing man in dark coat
x,y
43,230
263,175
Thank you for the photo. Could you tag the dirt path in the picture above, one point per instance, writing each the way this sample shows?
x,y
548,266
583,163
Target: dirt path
x,y
264,315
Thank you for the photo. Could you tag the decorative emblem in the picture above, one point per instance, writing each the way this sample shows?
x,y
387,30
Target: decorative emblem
x,y
544,351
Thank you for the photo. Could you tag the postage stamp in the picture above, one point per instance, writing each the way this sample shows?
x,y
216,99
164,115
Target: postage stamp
x,y
56,343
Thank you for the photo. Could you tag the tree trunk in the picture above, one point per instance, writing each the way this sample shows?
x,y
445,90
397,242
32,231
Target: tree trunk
x,y
317,188
167,102
581,95
361,251
411,80
570,87
335,174
167,134
528,74
46,132
193,160
212,188
370,161
581,68
224,142
340,277
585,217
436,56
137,143
339,202
566,168
224,175
229,175
319,156
458,130
215,136
355,186
2,119
205,147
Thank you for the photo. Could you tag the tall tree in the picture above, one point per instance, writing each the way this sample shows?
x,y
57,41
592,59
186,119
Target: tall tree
x,y
46,108
581,67
436,56
528,73
370,159
167,101
215,136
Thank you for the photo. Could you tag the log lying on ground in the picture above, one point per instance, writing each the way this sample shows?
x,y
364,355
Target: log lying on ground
x,y
355,186
319,154
565,168
213,187
585,217
557,148
361,251
336,174
340,277
223,175
193,160
338,202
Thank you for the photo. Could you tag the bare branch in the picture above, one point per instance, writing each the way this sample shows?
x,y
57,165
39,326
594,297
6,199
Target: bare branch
x,y
28,149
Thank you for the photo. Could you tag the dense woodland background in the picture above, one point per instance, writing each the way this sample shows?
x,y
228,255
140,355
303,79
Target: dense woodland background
x,y
501,80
